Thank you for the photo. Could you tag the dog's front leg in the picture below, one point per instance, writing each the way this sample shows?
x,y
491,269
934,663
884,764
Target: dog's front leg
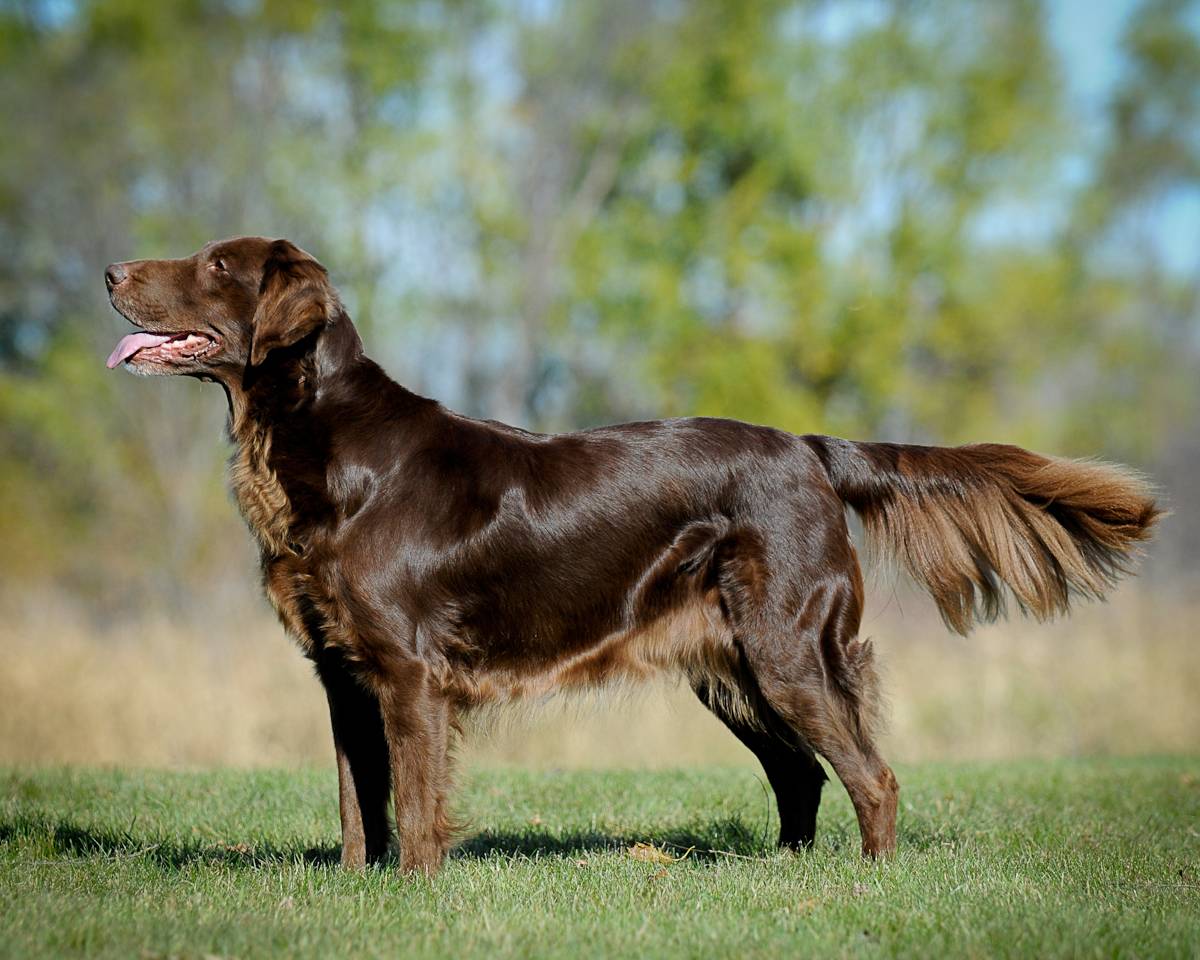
x,y
364,771
416,720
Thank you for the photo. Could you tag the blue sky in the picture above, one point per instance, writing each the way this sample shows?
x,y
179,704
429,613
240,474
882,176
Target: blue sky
x,y
1088,33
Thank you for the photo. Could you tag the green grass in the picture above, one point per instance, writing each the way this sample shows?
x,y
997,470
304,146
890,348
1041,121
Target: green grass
x,y
1086,858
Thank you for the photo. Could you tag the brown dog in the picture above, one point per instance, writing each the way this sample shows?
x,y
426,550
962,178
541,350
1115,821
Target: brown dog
x,y
428,563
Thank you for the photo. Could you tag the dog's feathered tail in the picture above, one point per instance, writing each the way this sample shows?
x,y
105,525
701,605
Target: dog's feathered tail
x,y
969,521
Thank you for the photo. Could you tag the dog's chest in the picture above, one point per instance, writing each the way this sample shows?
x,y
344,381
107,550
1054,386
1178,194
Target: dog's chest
x,y
289,576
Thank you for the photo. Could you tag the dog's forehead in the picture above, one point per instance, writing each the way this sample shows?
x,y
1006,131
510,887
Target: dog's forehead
x,y
244,247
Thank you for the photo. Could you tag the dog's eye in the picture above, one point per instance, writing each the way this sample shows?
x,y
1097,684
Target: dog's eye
x,y
218,265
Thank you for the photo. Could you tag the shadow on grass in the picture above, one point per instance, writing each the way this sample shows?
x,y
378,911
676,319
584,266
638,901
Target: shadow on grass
x,y
71,841
710,841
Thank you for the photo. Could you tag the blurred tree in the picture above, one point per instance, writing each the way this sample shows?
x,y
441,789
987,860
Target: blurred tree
x,y
147,129
1140,337
795,239
838,217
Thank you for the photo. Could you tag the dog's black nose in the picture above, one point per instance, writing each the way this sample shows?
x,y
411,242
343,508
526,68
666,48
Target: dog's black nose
x,y
114,273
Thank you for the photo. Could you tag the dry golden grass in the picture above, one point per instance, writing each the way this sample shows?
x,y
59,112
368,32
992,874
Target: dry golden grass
x,y
1115,678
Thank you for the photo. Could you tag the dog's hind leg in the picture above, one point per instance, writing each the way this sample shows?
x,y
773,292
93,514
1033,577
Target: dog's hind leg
x,y
819,678
792,769
796,622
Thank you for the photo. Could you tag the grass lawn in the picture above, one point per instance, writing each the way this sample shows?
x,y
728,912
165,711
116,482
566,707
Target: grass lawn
x,y
1078,858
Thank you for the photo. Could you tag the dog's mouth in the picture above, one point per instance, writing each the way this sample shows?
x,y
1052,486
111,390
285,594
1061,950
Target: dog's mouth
x,y
164,349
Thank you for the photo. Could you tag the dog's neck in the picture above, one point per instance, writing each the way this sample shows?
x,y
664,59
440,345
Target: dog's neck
x,y
290,409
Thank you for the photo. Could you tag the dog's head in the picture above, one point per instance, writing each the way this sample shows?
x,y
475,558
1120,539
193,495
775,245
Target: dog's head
x,y
221,311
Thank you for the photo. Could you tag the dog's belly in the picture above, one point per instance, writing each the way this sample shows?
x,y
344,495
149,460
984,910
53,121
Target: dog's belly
x,y
693,639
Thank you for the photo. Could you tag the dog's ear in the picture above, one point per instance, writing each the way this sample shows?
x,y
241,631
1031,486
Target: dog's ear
x,y
294,299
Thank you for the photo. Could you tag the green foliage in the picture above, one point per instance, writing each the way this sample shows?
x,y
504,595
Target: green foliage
x,y
723,254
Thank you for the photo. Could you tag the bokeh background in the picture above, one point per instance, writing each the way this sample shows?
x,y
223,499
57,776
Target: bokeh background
x,y
934,221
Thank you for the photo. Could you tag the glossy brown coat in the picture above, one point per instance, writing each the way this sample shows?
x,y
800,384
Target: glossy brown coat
x,y
428,563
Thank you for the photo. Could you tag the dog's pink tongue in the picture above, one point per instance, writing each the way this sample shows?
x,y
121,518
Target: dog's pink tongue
x,y
131,344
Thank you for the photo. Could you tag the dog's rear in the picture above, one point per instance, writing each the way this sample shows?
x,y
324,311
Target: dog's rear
x,y
968,521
